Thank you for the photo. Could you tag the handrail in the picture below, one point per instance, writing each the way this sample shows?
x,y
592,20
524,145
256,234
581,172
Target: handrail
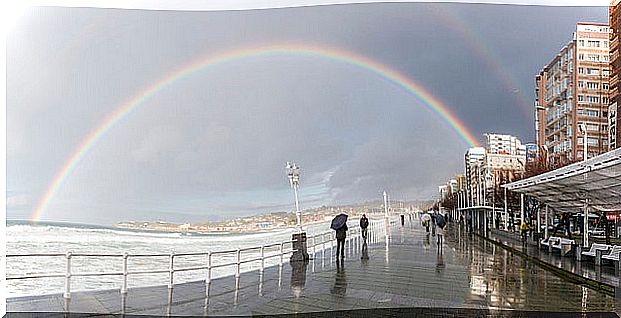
x,y
318,239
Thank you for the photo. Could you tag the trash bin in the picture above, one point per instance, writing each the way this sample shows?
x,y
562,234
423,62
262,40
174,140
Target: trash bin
x,y
299,248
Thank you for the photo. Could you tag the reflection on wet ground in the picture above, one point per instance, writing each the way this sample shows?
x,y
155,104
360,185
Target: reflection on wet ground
x,y
504,280
587,268
406,269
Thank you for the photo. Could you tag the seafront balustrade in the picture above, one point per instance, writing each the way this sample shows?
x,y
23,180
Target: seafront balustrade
x,y
255,256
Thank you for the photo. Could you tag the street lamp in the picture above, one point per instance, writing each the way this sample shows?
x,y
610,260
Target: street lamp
x,y
293,172
385,205
583,130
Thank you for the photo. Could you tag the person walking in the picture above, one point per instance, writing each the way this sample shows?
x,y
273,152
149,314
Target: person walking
x,y
364,224
567,225
341,234
425,219
441,224
524,232
433,223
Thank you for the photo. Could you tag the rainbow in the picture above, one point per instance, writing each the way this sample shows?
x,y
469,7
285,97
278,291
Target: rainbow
x,y
485,53
432,103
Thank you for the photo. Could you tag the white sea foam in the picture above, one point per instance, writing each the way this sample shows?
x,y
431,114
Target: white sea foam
x,y
50,238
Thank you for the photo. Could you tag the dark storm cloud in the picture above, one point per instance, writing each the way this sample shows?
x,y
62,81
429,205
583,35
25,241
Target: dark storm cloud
x,y
215,143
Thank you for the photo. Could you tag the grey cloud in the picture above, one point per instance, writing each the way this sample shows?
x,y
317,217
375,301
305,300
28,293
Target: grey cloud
x,y
214,143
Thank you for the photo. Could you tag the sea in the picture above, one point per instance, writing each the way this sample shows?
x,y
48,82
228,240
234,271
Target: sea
x,y
24,237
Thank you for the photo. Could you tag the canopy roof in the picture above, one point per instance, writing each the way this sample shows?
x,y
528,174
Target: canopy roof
x,y
565,189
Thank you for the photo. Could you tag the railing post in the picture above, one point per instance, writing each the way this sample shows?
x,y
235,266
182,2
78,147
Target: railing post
x,y
171,270
282,247
323,249
124,288
237,271
262,258
67,294
208,280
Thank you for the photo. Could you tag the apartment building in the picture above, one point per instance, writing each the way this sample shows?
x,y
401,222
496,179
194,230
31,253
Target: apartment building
x,y
572,91
614,20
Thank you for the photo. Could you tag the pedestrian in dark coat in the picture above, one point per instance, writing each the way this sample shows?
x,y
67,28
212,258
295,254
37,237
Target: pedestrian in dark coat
x,y
364,224
341,234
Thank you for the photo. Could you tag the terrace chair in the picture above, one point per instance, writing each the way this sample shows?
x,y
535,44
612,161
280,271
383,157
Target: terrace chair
x,y
552,240
565,246
613,257
596,252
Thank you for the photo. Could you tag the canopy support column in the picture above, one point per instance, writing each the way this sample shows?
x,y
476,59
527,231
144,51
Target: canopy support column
x,y
521,208
546,229
585,237
539,219
506,212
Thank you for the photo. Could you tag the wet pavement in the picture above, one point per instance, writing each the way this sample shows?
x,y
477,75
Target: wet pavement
x,y
604,274
407,271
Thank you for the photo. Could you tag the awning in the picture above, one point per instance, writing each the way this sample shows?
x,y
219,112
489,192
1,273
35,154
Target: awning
x,y
480,207
566,189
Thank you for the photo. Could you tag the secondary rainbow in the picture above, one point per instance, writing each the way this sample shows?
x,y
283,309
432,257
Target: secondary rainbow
x,y
432,103
484,51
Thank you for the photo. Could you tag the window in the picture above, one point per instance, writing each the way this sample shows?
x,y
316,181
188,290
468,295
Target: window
x,y
581,70
593,57
592,127
580,42
592,99
592,85
605,86
592,141
580,98
593,43
580,84
605,72
593,71
580,56
604,100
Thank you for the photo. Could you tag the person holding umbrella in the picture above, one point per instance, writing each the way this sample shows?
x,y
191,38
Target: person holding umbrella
x,y
339,224
425,219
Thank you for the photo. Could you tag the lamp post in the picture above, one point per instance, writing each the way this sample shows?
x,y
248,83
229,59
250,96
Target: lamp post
x,y
385,205
293,172
583,130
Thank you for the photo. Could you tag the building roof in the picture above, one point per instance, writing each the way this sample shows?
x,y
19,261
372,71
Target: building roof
x,y
597,179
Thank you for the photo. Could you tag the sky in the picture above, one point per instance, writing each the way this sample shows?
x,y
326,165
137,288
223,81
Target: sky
x,y
213,144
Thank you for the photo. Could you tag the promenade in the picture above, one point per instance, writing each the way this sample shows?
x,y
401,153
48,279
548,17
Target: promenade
x,y
407,275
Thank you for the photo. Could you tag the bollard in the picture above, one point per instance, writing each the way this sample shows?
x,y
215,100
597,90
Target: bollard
x,y
237,271
171,270
124,288
67,294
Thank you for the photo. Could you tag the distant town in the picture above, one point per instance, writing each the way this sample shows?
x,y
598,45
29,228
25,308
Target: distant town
x,y
277,220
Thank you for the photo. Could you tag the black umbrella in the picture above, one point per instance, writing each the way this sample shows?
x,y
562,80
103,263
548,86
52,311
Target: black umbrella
x,y
338,221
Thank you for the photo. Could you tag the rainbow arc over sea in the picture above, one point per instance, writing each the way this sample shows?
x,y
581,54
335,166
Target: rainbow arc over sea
x,y
430,102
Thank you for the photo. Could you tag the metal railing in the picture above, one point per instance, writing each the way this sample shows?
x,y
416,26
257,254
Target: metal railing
x,y
317,244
